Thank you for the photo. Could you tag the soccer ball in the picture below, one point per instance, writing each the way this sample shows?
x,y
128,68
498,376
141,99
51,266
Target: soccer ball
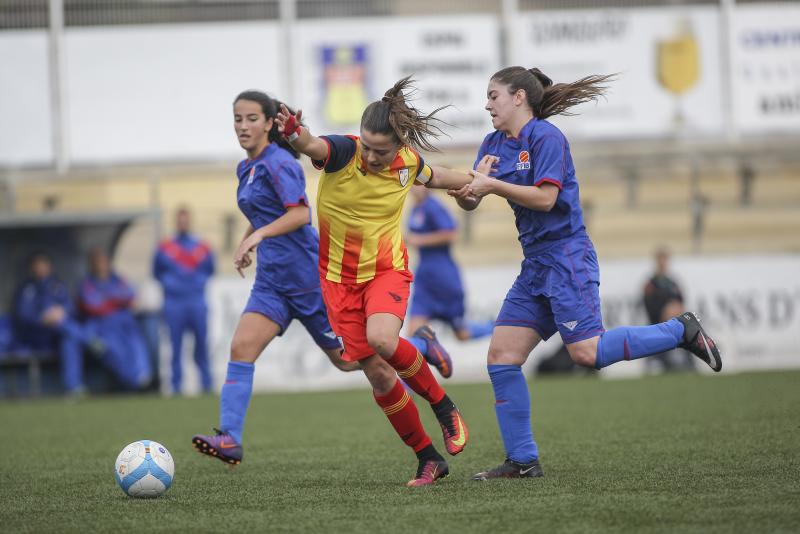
x,y
144,469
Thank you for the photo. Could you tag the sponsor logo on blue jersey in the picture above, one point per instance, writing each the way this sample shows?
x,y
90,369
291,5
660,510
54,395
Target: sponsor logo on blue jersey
x,y
524,162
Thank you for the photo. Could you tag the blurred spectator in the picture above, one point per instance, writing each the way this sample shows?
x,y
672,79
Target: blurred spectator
x,y
44,321
106,300
663,300
183,266
438,292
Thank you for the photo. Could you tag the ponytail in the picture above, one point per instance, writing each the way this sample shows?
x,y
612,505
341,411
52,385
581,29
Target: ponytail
x,y
392,115
270,107
546,99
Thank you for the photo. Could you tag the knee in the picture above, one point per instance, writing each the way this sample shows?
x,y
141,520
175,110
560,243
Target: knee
x,y
242,350
382,342
499,356
380,375
584,356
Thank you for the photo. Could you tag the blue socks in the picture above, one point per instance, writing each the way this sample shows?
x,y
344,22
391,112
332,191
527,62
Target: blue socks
x,y
479,330
633,342
513,409
235,398
420,344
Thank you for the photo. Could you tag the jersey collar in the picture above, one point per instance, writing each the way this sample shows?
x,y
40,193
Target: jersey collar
x,y
525,129
264,153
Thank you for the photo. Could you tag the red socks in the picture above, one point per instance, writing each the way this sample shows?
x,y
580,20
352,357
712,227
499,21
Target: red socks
x,y
414,371
402,413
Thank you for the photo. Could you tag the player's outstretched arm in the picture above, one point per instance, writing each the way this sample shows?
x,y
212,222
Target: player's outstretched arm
x,y
299,136
464,196
538,198
444,178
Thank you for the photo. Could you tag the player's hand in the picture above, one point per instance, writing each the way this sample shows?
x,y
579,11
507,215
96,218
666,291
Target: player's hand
x,y
462,194
54,315
288,123
487,164
481,184
411,239
242,258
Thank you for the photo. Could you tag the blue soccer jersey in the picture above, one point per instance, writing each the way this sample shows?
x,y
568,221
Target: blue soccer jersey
x,y
268,185
539,155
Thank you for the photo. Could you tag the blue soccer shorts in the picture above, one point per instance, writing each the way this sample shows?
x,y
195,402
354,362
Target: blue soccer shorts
x,y
308,308
557,291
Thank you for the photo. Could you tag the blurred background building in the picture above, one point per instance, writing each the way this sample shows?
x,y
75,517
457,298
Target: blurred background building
x,y
120,111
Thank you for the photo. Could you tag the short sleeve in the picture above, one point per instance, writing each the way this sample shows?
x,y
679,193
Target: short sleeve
x,y
341,149
549,154
290,183
424,171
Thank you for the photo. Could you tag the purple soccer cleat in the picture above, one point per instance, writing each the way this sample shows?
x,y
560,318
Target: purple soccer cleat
x,y
221,446
436,355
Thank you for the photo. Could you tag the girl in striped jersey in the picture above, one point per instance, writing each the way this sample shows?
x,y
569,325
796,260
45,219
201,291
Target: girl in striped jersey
x,y
363,262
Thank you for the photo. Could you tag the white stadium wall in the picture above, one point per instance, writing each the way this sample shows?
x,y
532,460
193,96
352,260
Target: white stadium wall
x,y
635,43
765,49
25,127
163,92
347,65
751,305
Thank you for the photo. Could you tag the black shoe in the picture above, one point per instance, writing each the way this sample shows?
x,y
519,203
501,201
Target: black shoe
x,y
454,430
512,469
696,341
429,471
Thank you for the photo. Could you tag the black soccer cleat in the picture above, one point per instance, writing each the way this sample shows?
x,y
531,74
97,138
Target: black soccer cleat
x,y
512,469
696,341
428,472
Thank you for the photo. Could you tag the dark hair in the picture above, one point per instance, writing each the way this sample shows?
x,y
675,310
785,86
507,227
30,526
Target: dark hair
x,y
392,115
270,107
546,99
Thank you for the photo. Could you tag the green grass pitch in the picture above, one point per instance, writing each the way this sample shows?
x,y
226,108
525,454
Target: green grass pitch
x,y
660,454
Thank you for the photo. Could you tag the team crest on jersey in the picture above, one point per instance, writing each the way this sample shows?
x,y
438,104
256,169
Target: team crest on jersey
x,y
252,175
524,162
403,177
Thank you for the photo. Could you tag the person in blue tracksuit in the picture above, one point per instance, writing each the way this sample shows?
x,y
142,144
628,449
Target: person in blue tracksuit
x,y
527,161
105,300
183,266
437,292
44,319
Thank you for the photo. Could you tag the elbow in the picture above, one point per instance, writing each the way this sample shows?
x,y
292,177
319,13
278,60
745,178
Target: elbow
x,y
467,205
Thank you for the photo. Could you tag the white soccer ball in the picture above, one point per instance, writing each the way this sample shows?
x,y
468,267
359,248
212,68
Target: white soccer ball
x,y
144,469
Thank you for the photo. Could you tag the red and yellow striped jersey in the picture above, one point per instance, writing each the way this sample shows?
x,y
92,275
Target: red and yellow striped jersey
x,y
359,212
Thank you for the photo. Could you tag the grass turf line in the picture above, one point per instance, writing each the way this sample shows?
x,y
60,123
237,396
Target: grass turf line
x,y
658,454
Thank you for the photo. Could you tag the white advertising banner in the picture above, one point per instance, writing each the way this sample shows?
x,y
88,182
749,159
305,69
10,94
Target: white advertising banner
x,y
668,60
340,68
765,50
25,125
163,91
750,305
